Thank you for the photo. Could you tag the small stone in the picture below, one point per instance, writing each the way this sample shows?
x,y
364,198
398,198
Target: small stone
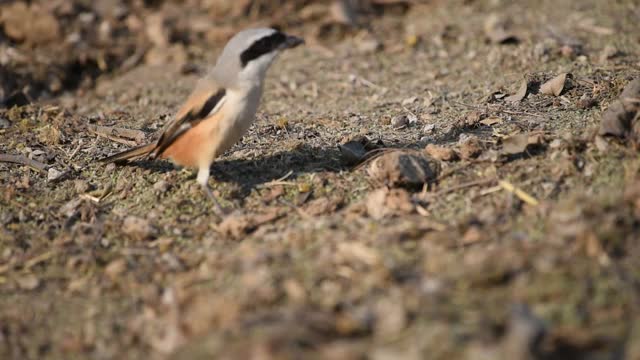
x,y
53,174
400,121
586,102
161,186
4,123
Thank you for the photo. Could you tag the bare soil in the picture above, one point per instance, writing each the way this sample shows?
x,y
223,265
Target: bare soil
x,y
524,246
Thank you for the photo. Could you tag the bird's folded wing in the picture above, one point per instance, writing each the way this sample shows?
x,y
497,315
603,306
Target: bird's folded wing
x,y
206,99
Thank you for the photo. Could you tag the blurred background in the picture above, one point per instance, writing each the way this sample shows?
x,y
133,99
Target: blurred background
x,y
49,46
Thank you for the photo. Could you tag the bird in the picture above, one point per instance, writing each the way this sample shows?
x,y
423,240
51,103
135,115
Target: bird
x,y
220,109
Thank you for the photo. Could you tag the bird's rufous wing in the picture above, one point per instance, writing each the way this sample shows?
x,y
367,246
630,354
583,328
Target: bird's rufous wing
x,y
205,98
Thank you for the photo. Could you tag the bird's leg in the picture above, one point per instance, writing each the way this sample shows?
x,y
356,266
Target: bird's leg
x,y
203,180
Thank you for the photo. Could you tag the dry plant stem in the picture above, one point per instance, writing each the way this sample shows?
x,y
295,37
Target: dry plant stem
x,y
464,186
518,192
106,132
23,160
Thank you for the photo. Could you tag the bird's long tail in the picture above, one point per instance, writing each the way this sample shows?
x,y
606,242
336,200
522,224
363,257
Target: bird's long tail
x,y
133,154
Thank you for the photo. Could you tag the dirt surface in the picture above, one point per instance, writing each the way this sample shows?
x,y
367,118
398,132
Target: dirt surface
x,y
413,191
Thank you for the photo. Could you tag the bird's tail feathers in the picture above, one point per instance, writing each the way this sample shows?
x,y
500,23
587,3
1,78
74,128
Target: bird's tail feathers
x,y
133,154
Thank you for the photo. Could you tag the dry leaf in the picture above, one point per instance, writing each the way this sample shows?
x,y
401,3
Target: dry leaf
x,y
617,120
554,86
520,94
519,143
491,121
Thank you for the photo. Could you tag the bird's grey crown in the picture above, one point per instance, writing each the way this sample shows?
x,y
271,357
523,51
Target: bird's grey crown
x,y
229,63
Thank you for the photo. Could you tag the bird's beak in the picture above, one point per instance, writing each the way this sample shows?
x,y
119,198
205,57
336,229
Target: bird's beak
x,y
292,41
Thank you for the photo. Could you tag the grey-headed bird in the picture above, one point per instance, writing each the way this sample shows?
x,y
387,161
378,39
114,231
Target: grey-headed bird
x,y
221,107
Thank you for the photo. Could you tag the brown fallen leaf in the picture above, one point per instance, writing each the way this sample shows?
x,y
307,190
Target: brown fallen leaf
x,y
617,120
491,121
28,282
555,86
520,143
520,94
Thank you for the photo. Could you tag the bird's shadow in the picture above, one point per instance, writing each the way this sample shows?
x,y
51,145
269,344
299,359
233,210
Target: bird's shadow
x,y
249,173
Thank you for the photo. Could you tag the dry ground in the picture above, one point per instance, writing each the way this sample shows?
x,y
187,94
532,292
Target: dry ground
x,y
130,262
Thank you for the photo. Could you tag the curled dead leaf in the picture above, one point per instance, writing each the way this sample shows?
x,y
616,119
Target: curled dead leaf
x,y
520,94
617,120
520,143
555,86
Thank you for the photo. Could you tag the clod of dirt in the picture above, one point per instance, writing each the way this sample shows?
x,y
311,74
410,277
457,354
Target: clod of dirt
x,y
586,102
520,143
352,152
31,24
469,147
441,153
402,168
403,121
618,119
389,202
138,228
238,224
323,205
497,30
555,86
520,94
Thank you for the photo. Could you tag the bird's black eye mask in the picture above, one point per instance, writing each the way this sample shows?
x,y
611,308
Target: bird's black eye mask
x,y
262,46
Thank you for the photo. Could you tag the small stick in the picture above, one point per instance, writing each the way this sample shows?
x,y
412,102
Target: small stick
x,y
23,160
116,134
464,186
518,192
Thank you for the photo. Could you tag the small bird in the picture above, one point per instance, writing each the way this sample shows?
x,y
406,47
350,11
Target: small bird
x,y
221,107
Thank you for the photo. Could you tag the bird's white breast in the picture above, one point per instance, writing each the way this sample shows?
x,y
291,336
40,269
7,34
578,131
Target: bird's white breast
x,y
239,112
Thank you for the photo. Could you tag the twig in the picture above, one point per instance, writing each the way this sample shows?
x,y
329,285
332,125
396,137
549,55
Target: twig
x,y
23,160
301,212
463,186
117,134
518,192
